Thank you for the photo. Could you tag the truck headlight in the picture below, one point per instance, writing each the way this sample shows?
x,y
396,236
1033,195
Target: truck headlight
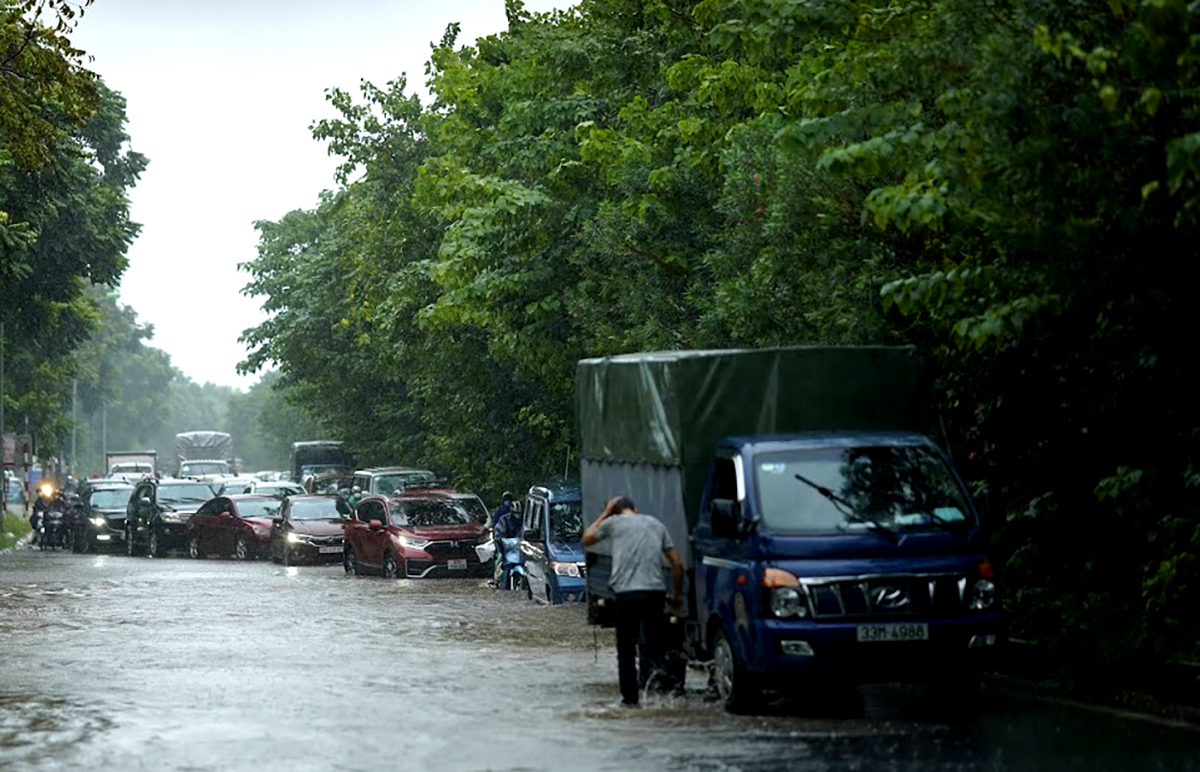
x,y
983,596
788,602
566,569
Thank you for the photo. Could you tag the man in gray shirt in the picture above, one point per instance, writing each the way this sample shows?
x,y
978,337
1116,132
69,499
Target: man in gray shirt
x,y
638,544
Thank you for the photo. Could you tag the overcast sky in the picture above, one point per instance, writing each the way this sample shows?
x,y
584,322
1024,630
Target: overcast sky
x,y
220,96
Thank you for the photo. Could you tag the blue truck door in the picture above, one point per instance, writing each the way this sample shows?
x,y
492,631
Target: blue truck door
x,y
720,555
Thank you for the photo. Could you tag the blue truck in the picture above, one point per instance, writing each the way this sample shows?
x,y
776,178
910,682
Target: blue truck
x,y
827,540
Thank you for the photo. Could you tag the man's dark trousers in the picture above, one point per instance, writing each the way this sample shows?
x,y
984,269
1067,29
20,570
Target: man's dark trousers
x,y
639,620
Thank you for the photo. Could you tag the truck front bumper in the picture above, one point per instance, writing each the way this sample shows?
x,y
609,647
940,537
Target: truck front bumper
x,y
832,648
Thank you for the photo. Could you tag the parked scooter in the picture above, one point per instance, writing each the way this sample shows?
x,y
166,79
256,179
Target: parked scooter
x,y
512,569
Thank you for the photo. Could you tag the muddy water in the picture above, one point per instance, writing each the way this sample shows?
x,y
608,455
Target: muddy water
x,y
108,662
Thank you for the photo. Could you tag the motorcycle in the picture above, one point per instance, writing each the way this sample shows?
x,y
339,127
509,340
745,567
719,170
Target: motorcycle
x,y
512,569
52,530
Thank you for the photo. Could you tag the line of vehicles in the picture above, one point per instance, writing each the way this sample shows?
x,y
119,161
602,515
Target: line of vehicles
x,y
826,539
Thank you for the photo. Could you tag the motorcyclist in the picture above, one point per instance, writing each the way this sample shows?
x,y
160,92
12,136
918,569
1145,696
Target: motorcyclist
x,y
41,505
355,496
507,524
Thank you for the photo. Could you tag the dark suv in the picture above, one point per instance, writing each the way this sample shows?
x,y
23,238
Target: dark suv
x,y
100,515
158,515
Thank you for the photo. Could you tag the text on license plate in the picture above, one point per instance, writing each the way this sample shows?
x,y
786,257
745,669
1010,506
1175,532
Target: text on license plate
x,y
328,550
457,565
904,632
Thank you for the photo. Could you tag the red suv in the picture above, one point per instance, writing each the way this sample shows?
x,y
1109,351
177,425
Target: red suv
x,y
233,525
414,537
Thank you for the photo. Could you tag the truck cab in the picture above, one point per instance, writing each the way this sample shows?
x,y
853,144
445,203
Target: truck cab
x,y
848,557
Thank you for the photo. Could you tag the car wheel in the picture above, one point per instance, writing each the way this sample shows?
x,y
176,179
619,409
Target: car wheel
x,y
240,550
154,548
129,548
350,561
391,570
194,548
734,686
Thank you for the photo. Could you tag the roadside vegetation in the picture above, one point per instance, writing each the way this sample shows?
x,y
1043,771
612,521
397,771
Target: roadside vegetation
x,y
1010,185
16,527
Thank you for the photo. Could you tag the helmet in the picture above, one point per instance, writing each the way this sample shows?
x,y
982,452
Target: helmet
x,y
356,489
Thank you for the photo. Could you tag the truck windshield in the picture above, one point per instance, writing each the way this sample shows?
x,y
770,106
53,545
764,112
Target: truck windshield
x,y
852,489
203,467
566,521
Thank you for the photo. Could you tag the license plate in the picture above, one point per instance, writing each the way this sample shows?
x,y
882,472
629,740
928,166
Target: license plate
x,y
328,550
457,565
901,632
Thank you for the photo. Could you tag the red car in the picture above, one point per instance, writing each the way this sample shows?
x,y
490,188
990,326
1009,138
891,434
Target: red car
x,y
414,536
233,525
309,529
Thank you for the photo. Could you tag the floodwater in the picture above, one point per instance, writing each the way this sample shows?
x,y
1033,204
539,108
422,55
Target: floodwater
x,y
109,662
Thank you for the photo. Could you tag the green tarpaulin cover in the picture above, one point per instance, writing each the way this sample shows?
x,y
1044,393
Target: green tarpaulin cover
x,y
672,407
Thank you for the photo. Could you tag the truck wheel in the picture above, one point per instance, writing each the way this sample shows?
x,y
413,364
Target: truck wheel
x,y
735,687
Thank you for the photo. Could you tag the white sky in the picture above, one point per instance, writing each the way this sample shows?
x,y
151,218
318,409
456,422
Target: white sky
x,y
220,96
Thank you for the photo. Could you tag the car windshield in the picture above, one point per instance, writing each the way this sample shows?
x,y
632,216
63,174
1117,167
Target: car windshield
x,y
386,484
207,467
566,521
257,508
271,489
319,509
852,489
474,506
173,495
230,488
109,498
429,513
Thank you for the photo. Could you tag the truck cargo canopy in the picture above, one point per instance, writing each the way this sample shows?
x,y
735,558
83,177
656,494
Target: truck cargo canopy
x,y
673,407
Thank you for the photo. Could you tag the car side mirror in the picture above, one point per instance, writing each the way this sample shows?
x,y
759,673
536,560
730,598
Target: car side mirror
x,y
376,525
532,534
726,515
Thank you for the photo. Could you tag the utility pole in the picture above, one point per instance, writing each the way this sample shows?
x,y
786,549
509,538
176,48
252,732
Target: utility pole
x,y
104,431
74,398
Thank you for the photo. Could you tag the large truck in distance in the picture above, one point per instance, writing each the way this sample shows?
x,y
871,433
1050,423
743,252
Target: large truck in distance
x,y
203,455
320,459
131,465
826,541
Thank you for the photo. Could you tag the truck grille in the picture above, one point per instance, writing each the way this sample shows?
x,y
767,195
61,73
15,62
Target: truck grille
x,y
887,596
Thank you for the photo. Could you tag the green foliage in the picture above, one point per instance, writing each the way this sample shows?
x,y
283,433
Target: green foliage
x,y
1011,185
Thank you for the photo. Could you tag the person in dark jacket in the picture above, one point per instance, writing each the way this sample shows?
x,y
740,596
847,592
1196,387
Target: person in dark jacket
x,y
502,525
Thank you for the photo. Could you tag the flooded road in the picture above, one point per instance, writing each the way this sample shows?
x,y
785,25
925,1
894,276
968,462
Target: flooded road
x,y
109,662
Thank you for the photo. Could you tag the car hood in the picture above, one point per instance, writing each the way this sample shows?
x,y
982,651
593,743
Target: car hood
x,y
317,527
258,522
438,532
566,552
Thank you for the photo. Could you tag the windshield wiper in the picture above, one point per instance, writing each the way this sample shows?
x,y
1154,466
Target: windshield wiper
x,y
847,511
956,528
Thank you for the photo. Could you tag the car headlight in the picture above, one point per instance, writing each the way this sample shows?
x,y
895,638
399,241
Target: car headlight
x,y
565,569
260,531
99,522
298,538
983,597
788,602
411,543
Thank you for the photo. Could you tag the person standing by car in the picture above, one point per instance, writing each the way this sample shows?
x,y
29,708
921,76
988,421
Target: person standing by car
x,y
638,544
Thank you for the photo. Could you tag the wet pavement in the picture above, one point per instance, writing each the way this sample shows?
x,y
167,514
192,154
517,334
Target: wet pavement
x,y
109,662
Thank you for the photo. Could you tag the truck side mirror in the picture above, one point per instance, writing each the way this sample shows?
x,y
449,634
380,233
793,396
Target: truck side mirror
x,y
726,517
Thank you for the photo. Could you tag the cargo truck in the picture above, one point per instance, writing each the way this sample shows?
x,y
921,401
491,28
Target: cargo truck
x,y
203,455
827,541
132,465
320,459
